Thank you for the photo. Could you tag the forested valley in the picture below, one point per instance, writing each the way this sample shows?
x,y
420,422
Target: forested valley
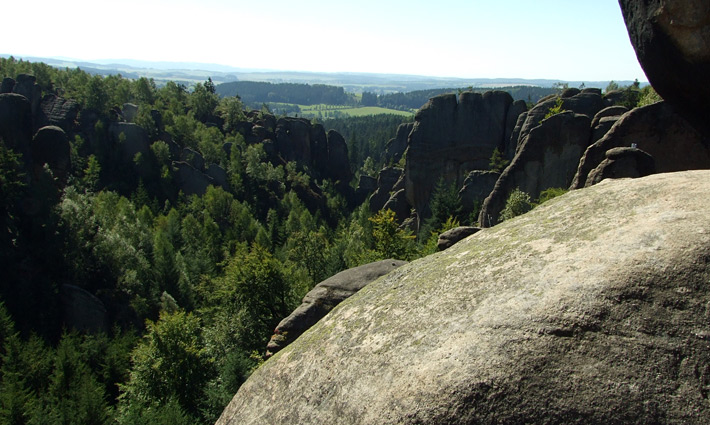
x,y
188,286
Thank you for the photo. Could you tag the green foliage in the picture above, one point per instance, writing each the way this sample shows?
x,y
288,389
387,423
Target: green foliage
x,y
518,203
648,97
170,364
497,162
389,240
550,193
554,110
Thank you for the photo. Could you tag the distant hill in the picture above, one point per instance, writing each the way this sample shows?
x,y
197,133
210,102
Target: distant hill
x,y
302,94
190,73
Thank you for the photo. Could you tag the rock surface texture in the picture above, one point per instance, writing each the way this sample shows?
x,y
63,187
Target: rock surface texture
x,y
592,308
672,43
324,297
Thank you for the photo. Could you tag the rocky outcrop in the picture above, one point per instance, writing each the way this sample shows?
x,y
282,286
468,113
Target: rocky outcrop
x,y
324,297
547,158
592,308
55,110
16,123
450,237
477,186
50,146
337,166
386,181
190,180
396,147
620,163
657,130
130,139
193,158
672,43
450,138
81,310
129,111
399,205
366,186
26,85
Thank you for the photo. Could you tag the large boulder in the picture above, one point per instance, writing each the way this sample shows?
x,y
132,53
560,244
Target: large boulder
x,y
672,43
190,180
324,297
450,138
338,165
547,158
16,123
656,129
477,186
129,139
621,163
50,146
386,181
26,85
450,237
55,110
592,308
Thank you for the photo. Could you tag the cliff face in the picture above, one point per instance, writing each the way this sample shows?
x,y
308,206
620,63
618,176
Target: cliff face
x,y
592,308
450,138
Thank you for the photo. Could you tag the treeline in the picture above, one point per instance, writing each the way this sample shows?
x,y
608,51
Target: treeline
x,y
416,99
256,93
191,285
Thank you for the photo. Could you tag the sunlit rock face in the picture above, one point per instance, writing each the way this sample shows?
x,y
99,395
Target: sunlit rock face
x,y
592,308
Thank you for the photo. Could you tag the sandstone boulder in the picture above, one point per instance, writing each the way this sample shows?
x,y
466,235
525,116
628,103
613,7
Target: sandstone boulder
x,y
672,43
592,308
450,237
399,205
324,297
50,146
55,110
620,163
193,158
129,111
338,165
547,158
26,85
8,83
366,186
656,129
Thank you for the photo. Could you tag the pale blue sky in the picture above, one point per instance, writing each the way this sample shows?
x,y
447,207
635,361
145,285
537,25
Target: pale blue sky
x,y
555,39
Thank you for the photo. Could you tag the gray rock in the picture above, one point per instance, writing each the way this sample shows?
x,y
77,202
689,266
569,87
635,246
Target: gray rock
x,y
672,43
130,139
477,186
129,111
602,128
620,163
398,204
190,180
7,85
82,311
293,139
450,139
26,85
338,165
16,123
386,180
55,110
324,297
366,186
193,158
450,237
515,112
656,129
548,158
219,176
397,146
592,308
50,146
609,111
572,91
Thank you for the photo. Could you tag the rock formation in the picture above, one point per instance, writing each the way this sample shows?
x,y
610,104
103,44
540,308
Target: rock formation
x,y
657,130
450,138
50,146
450,237
672,43
620,163
324,297
547,158
592,308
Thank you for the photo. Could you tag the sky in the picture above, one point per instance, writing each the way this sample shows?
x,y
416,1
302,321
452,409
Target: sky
x,y
571,40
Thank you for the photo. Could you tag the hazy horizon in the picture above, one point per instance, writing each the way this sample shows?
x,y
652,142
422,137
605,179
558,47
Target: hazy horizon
x,y
585,40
